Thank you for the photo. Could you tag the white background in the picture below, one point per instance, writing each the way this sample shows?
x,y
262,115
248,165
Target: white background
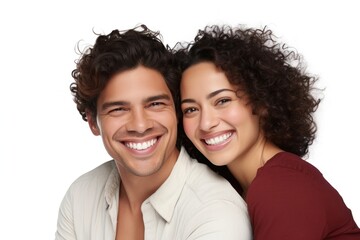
x,y
45,145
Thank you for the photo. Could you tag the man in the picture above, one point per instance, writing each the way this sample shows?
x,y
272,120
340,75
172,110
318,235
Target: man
x,y
125,87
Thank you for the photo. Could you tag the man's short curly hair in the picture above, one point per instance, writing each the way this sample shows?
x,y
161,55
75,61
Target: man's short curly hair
x,y
271,75
116,52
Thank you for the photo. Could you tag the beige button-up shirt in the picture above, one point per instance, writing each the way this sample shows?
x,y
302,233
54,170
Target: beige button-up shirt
x,y
193,203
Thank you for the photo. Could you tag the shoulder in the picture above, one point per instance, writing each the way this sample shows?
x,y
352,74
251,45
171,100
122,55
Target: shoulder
x,y
208,190
100,172
92,182
289,191
289,162
211,207
200,182
286,168
206,185
289,176
99,175
84,195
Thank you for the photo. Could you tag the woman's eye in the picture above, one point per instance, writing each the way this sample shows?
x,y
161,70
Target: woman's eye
x,y
189,110
223,101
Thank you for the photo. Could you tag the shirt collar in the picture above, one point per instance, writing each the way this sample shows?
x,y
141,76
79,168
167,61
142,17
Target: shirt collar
x,y
112,187
166,197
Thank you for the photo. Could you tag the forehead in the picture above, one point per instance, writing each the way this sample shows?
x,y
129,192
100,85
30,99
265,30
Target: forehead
x,y
134,85
203,77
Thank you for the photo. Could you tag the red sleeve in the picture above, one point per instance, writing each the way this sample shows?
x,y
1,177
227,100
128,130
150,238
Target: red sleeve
x,y
288,203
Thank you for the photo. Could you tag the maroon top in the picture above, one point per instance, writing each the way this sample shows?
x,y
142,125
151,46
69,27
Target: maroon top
x,y
290,199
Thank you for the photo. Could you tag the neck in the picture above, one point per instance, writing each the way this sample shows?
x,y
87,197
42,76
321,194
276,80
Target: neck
x,y
135,192
245,168
136,189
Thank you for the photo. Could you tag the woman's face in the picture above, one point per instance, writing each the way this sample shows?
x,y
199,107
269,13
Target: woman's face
x,y
218,122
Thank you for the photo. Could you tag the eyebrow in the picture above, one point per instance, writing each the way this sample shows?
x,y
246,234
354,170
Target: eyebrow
x,y
126,103
115,103
157,97
210,95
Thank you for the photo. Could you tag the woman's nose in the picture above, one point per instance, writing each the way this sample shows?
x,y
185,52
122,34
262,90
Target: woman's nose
x,y
208,120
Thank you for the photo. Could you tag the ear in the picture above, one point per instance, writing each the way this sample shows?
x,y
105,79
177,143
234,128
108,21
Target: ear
x,y
92,123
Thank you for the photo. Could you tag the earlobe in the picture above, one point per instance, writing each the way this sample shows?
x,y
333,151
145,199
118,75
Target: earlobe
x,y
92,124
95,129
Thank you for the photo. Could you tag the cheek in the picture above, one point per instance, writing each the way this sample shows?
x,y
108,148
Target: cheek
x,y
108,126
167,119
234,115
240,117
189,127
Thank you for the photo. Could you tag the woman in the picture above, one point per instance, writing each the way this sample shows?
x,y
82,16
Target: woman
x,y
247,104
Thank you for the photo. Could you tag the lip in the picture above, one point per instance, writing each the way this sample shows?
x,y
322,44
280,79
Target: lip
x,y
218,141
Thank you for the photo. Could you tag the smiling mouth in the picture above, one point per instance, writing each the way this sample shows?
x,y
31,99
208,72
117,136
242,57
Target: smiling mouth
x,y
141,145
218,140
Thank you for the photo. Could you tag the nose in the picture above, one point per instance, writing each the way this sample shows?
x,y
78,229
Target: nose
x,y
208,119
139,121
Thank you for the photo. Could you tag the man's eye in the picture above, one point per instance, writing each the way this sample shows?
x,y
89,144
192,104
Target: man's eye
x,y
116,111
156,104
119,109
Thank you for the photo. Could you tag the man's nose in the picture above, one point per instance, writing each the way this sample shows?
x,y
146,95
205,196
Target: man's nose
x,y
139,121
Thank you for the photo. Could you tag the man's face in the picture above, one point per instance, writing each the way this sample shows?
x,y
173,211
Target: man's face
x,y
137,121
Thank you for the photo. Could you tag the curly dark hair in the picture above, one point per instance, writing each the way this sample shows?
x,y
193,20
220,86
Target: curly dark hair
x,y
272,76
116,52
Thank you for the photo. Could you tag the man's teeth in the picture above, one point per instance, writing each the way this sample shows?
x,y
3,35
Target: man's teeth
x,y
141,146
218,139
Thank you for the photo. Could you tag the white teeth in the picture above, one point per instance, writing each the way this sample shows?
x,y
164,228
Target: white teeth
x,y
141,146
218,139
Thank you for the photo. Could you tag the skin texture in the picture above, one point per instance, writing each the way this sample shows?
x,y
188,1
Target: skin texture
x,y
246,98
130,116
138,126
267,75
273,76
124,87
221,124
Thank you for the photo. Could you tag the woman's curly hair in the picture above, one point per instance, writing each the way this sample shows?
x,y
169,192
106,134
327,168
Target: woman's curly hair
x,y
116,52
271,75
